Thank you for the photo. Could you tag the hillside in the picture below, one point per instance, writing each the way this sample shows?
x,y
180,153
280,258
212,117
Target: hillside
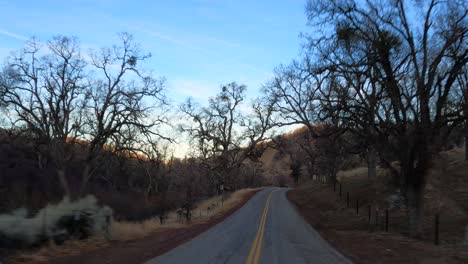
x,y
446,195
276,167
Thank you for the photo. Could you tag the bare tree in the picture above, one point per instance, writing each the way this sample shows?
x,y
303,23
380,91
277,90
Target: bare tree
x,y
59,99
413,63
301,150
297,93
45,95
351,97
153,163
462,82
224,134
122,102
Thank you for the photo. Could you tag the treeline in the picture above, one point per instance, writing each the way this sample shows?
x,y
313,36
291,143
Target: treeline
x,y
389,81
306,158
321,156
76,124
135,187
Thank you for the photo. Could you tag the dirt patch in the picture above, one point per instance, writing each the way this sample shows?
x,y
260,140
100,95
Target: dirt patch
x,y
351,235
139,250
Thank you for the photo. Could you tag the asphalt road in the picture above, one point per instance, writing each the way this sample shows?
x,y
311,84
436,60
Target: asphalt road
x,y
267,229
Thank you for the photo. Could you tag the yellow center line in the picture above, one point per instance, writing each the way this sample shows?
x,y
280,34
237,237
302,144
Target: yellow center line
x,y
260,240
254,247
254,253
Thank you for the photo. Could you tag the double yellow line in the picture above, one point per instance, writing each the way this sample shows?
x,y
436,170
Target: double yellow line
x,y
254,253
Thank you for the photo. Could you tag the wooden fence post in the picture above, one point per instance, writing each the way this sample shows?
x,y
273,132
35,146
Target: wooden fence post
x,y
347,199
377,218
386,220
436,229
466,236
340,190
370,213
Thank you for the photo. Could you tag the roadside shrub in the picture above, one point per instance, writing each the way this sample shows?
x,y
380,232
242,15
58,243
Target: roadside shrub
x,y
58,222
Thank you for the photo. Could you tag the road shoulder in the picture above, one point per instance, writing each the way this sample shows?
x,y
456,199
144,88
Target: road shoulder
x,y
362,246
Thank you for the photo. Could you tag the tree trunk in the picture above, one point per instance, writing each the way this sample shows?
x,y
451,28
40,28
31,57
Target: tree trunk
x,y
465,113
371,163
63,181
42,157
466,236
466,139
466,144
85,178
414,170
332,177
40,162
415,196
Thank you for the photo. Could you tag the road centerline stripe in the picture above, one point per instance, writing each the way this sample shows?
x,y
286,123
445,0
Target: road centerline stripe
x,y
255,249
255,242
260,240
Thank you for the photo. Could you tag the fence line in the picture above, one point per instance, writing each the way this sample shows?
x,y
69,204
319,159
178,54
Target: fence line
x,y
382,222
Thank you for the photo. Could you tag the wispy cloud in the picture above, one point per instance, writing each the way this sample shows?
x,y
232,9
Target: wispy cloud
x,y
12,35
187,41
194,88
166,37
150,31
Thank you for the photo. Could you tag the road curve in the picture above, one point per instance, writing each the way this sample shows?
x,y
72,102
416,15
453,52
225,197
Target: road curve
x,y
267,229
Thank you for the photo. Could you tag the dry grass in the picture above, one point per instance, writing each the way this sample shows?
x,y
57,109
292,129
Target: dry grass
x,y
204,210
53,251
356,172
124,231
446,194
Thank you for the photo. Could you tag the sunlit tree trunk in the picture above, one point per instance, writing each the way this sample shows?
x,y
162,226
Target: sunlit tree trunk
x,y
63,181
85,177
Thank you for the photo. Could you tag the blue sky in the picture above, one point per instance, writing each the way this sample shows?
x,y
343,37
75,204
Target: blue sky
x,y
196,45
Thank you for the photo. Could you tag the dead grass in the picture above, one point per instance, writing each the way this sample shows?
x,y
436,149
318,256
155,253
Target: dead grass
x,y
446,194
126,231
204,210
51,250
342,228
